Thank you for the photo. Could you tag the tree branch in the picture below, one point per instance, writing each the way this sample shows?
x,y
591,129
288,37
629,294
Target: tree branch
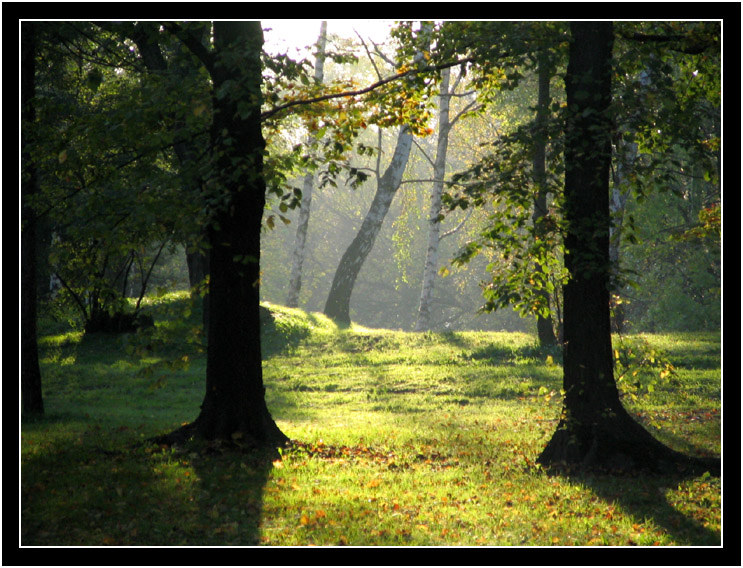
x,y
365,90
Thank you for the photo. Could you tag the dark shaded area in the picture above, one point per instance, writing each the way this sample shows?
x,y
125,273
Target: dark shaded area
x,y
72,485
104,322
643,497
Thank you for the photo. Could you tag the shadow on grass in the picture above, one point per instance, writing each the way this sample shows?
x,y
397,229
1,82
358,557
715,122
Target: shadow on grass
x,y
74,492
644,498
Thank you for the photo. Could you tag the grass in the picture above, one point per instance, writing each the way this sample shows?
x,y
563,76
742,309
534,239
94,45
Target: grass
x,y
401,439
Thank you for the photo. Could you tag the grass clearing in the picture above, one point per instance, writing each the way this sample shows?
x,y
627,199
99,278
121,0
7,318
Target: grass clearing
x,y
401,439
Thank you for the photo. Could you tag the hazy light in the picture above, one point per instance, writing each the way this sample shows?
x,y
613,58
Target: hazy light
x,y
294,36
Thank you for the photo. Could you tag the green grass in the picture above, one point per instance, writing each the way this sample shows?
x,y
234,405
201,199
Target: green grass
x,y
401,439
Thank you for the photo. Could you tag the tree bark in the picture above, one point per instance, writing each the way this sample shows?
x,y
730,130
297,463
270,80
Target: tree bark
x,y
439,170
595,431
31,394
338,304
234,406
295,283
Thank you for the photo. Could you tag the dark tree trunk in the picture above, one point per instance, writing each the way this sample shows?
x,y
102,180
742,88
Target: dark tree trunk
x,y
545,328
31,395
595,430
234,406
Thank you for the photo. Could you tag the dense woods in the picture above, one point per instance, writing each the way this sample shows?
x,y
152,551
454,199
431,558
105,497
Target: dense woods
x,y
462,175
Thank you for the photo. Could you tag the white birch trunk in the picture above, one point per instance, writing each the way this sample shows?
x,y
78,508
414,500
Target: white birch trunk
x,y
439,170
295,283
338,304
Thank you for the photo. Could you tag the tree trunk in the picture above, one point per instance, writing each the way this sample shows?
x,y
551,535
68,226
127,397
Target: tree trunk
x,y
619,193
338,304
31,395
439,170
595,430
197,261
295,283
545,328
234,405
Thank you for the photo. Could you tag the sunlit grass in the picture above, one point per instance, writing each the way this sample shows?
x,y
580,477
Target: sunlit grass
x,y
400,439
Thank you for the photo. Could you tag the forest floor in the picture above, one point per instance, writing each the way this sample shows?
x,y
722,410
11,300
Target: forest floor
x,y
413,439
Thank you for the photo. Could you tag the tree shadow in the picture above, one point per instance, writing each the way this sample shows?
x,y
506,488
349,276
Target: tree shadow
x,y
643,496
99,488
231,489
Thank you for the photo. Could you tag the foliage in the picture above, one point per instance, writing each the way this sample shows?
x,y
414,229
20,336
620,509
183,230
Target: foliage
x,y
112,195
108,194
666,102
640,368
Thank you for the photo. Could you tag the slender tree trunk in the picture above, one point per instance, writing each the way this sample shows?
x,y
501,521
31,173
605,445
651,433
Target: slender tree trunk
x,y
31,394
338,304
439,171
545,328
186,150
595,430
295,283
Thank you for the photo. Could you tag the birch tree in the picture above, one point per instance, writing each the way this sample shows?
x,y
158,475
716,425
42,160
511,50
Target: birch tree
x,y
445,125
295,283
338,304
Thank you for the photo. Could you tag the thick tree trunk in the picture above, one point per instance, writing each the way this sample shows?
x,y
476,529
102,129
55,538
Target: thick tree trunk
x,y
31,394
338,305
234,405
295,282
595,430
545,328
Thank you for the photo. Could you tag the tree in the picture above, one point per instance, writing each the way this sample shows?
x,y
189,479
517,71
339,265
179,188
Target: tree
x,y
545,330
295,283
31,393
338,304
180,71
234,405
445,125
595,430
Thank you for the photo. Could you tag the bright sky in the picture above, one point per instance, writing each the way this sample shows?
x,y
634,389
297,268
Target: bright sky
x,y
286,36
